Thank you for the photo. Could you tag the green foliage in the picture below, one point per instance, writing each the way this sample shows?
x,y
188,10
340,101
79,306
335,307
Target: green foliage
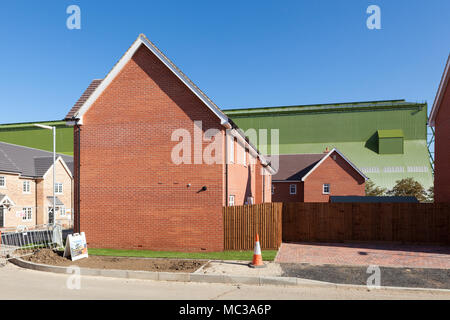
x,y
373,190
430,195
409,187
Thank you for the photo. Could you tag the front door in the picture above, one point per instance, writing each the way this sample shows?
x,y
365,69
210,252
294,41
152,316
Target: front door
x,y
51,216
2,222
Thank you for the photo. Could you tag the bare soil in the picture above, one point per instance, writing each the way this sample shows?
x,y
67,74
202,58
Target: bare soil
x,y
51,257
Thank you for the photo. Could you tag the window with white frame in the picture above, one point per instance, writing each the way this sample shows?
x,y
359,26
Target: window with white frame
x,y
26,187
58,188
27,214
293,189
231,200
250,200
62,211
2,182
326,188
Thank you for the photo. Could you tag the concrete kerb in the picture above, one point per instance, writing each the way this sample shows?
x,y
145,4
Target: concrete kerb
x,y
205,278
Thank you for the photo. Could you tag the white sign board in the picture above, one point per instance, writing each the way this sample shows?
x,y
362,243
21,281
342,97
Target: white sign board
x,y
76,246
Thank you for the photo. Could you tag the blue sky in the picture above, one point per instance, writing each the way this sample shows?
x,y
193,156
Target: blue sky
x,y
241,53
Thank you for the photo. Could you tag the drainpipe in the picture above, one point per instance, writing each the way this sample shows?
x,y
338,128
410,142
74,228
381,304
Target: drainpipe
x,y
78,174
226,168
76,214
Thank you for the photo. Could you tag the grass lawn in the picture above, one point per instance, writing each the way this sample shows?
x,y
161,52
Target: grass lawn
x,y
268,255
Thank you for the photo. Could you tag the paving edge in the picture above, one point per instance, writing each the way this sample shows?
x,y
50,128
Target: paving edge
x,y
205,278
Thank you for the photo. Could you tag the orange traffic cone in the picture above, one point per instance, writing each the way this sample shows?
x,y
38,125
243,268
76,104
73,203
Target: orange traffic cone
x,y
257,257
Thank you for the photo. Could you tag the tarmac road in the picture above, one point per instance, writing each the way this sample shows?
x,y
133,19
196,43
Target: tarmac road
x,y
18,283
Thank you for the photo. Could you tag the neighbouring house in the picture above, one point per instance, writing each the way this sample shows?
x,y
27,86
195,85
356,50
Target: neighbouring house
x,y
440,120
156,160
26,191
316,177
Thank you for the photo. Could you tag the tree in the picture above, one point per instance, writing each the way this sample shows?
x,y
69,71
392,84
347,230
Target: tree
x,y
373,190
430,195
409,187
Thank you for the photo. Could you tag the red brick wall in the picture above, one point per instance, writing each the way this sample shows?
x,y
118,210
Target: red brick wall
x,y
442,151
343,180
240,177
132,195
282,192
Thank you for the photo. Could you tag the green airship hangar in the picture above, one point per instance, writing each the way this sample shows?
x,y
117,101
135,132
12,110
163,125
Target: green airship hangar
x,y
386,140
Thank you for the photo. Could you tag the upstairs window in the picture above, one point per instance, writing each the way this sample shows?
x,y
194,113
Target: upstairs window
x,y
293,189
2,182
326,188
26,187
58,188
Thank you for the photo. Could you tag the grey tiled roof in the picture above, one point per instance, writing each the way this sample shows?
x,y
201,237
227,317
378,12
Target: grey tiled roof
x,y
86,94
6,164
28,161
296,166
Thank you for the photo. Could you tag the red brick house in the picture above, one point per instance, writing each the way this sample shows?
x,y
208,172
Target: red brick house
x,y
316,177
131,193
440,120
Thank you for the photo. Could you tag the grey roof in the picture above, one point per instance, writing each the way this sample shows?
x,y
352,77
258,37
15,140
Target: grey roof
x,y
6,164
27,161
296,166
371,199
84,97
58,202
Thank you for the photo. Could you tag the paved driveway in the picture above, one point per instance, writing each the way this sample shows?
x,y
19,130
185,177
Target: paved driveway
x,y
352,254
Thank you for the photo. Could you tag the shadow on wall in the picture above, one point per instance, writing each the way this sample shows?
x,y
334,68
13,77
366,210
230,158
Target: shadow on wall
x,y
372,143
248,187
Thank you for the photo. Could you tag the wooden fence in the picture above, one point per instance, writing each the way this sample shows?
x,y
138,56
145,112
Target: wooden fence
x,y
335,222
241,223
393,222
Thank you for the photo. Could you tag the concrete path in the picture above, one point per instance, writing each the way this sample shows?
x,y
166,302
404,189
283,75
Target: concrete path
x,y
353,254
17,283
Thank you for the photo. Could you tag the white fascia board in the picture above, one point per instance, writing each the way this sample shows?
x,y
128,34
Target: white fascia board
x,y
7,198
59,159
125,59
440,94
343,157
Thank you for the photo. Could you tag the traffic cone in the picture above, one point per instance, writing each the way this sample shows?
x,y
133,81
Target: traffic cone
x,y
257,257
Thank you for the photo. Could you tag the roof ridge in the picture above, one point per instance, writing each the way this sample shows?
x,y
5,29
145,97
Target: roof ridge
x,y
337,104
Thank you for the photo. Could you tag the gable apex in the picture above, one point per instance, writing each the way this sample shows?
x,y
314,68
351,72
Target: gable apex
x,y
143,40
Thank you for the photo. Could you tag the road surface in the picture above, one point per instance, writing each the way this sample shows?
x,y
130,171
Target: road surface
x,y
18,283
